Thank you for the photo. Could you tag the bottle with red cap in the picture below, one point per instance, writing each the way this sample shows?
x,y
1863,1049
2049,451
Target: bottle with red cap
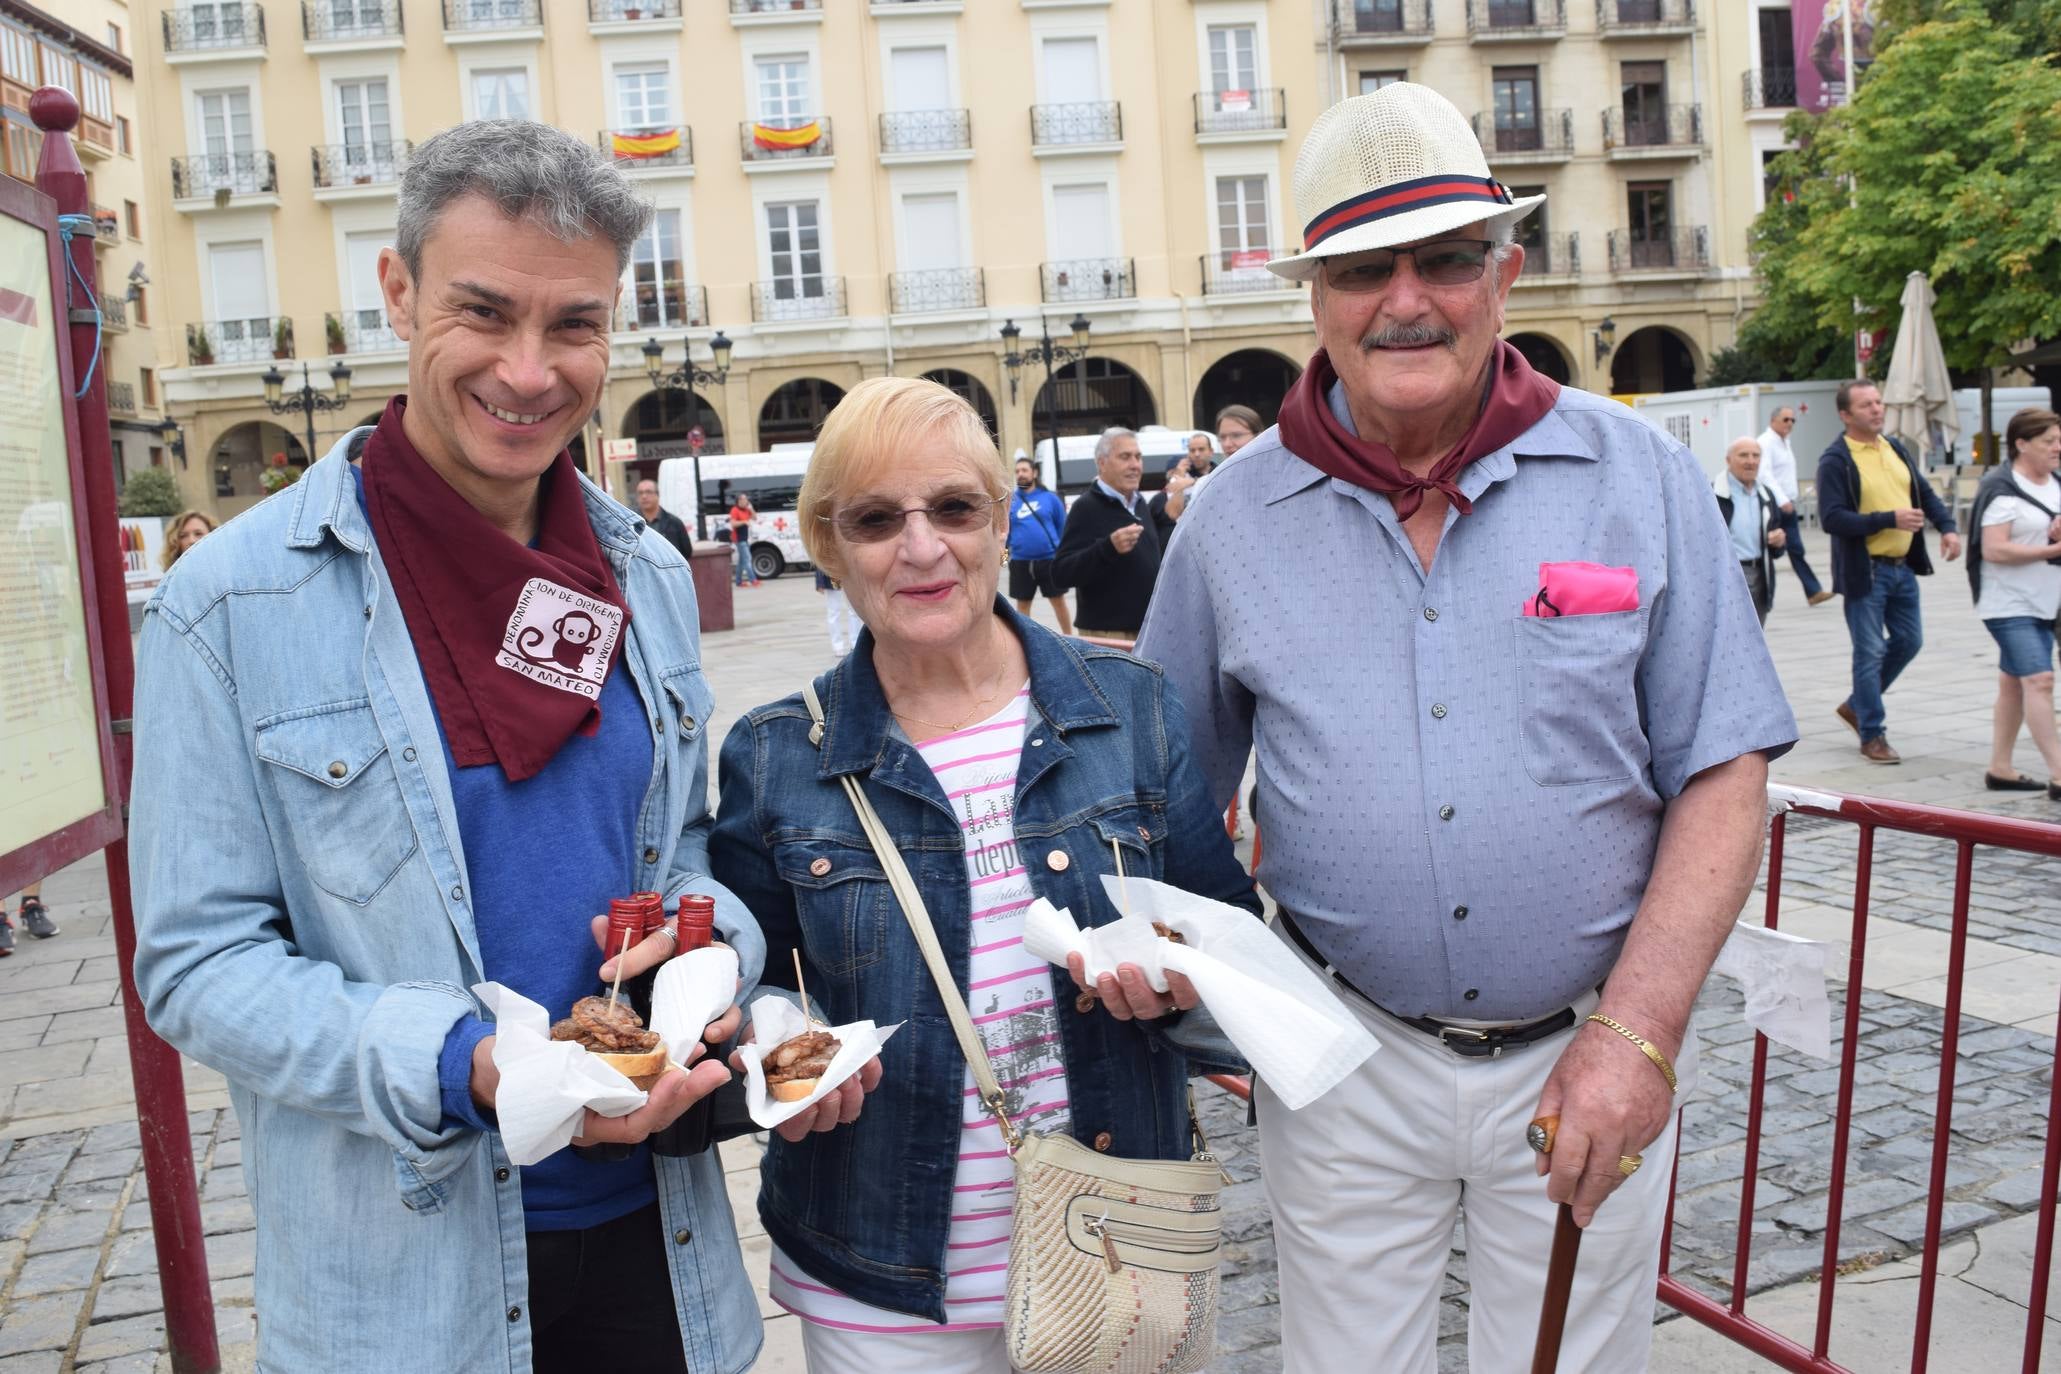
x,y
693,1132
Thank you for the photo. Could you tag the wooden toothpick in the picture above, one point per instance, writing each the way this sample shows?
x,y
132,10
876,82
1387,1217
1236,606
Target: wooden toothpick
x,y
803,988
1123,884
617,985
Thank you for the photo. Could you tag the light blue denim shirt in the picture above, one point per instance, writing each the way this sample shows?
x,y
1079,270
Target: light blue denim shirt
x,y
303,926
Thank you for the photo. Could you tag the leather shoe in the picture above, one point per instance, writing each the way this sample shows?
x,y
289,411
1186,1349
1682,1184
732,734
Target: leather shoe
x,y
2021,783
1820,598
2054,791
1845,712
1877,750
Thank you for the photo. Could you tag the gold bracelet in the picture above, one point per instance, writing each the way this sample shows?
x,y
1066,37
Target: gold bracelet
x,y
1646,1047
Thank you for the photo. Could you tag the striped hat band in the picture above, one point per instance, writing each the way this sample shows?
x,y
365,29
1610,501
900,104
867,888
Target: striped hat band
x,y
1401,197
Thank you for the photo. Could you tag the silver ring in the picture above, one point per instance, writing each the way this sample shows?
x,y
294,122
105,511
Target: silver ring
x,y
667,930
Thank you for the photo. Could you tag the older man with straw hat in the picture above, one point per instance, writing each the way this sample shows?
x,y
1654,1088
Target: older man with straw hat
x,y
1512,757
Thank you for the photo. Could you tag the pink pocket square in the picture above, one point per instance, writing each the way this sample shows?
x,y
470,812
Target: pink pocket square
x,y
1583,589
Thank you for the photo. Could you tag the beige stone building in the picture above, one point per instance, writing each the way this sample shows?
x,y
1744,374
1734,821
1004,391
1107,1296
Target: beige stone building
x,y
854,187
85,47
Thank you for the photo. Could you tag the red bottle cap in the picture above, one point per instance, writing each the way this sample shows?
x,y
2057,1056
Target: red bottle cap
x,y
697,921
625,919
652,909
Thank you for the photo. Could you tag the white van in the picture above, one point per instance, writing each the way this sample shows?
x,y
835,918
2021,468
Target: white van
x,y
1075,472
774,482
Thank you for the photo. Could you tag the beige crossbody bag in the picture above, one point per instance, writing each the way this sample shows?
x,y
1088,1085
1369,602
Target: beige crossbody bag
x,y
1112,1262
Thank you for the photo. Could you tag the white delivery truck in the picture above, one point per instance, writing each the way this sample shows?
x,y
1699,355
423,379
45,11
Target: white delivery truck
x,y
774,483
1075,471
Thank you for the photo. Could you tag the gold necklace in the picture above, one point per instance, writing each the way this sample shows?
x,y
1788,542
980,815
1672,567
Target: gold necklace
x,y
972,715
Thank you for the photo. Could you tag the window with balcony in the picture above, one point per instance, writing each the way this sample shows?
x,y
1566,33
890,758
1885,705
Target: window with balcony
x,y
1650,209
1775,78
24,144
60,68
794,252
1378,16
18,57
229,153
220,23
1371,82
1233,58
364,323
658,276
1517,109
96,95
243,328
1644,86
355,18
783,90
644,96
501,93
364,123
1243,235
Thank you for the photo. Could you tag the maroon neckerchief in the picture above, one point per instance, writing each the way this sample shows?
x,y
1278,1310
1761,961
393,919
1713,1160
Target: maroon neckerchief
x,y
1518,398
515,641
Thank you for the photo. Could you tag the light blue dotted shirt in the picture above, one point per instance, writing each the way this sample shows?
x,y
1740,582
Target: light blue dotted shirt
x,y
1461,804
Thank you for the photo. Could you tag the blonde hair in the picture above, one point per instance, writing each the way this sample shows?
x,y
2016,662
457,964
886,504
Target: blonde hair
x,y
169,555
877,421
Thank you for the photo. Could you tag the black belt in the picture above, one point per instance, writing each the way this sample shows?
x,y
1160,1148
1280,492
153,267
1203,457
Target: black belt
x,y
1469,1042
1887,557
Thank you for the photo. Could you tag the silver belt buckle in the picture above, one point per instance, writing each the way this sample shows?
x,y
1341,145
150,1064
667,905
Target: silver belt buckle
x,y
1445,1034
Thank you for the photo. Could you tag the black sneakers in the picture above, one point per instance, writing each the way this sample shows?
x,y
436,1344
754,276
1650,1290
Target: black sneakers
x,y
6,936
37,919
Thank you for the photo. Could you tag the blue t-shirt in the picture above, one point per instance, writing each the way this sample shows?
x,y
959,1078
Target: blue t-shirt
x,y
543,856
1036,519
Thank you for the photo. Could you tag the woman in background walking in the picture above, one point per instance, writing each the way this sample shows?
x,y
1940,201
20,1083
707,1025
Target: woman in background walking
x,y
2018,594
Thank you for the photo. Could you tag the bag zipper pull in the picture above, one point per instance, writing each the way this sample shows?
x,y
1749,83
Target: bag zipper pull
x,y
1099,1228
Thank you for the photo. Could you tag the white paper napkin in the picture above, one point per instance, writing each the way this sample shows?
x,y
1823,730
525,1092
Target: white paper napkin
x,y
1290,1027
546,1085
690,991
774,1021
1783,977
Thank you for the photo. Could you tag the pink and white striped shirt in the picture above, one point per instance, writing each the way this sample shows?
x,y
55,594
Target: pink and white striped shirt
x,y
1011,997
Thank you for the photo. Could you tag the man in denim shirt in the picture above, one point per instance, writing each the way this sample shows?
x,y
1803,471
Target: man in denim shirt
x,y
405,728
1491,809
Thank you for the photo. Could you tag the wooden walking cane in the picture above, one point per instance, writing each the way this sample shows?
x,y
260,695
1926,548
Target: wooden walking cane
x,y
1567,1244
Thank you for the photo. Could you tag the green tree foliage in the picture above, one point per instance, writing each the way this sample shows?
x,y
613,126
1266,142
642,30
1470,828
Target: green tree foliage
x,y
2034,25
1784,340
150,491
1953,142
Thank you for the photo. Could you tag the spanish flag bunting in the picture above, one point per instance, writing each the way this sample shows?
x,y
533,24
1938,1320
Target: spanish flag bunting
x,y
657,143
766,136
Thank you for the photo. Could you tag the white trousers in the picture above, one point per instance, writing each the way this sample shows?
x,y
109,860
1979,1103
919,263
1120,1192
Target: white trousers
x,y
842,620
1365,1184
832,1351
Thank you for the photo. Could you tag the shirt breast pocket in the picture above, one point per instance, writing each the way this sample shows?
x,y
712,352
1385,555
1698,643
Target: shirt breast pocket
x,y
336,785
843,900
1579,684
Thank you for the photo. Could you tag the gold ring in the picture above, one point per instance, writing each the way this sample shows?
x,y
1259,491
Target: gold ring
x,y
1629,1164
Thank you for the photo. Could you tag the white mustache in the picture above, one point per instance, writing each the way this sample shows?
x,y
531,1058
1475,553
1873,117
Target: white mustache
x,y
1409,336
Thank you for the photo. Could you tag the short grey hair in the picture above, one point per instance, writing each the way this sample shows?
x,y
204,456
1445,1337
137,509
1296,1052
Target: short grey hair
x,y
533,172
1108,440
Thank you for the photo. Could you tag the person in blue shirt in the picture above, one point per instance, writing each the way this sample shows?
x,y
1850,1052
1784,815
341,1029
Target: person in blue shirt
x,y
1037,517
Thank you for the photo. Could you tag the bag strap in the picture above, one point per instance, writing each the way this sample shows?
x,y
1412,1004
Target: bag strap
x,y
926,938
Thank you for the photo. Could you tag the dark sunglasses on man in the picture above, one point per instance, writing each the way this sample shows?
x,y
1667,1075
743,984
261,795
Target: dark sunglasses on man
x,y
960,512
1442,262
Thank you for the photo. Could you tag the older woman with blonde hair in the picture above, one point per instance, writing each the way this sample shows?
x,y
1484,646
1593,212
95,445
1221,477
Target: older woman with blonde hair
x,y
182,532
1005,762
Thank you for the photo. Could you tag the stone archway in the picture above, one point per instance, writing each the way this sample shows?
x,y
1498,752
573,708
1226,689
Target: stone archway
x,y
1256,377
1545,355
796,410
1653,359
1091,395
238,459
969,389
667,414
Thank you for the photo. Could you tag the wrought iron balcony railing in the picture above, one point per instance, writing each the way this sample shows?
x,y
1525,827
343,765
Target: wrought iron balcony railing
x,y
1089,279
630,11
121,398
1375,23
1240,272
1669,126
202,28
360,164
1088,121
330,21
942,288
1240,112
634,148
1553,255
107,225
246,174
114,311
359,331
1550,138
476,16
1515,19
668,304
1769,88
1685,249
925,131
797,298
788,140
239,341
1642,18
773,6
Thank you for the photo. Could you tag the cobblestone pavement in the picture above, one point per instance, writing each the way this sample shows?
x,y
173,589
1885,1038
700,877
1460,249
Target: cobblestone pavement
x,y
78,1283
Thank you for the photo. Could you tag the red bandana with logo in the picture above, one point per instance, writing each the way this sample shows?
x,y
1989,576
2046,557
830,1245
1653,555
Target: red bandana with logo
x,y
1517,399
515,641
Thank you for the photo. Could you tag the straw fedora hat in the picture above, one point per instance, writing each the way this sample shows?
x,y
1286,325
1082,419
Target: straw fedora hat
x,y
1393,166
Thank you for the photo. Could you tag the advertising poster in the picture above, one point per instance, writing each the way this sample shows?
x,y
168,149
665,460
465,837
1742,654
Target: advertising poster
x,y
1820,33
51,773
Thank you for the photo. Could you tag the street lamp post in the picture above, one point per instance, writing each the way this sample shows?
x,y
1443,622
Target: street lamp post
x,y
308,400
1051,355
686,377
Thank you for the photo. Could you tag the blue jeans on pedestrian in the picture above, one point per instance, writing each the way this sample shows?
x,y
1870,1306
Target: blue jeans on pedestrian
x,y
1792,533
743,572
1887,634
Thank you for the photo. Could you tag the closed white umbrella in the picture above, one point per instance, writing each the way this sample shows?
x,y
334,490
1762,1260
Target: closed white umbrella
x,y
1918,396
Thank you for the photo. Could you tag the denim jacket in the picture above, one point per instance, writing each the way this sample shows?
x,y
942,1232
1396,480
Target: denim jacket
x,y
1105,758
302,926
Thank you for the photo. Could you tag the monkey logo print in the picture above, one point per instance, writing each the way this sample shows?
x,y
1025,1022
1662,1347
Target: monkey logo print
x,y
560,638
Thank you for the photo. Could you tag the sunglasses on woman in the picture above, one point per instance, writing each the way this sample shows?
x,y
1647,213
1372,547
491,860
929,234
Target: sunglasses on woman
x,y
1445,262
961,512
